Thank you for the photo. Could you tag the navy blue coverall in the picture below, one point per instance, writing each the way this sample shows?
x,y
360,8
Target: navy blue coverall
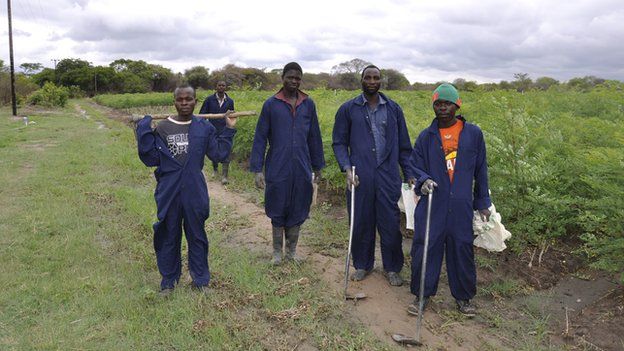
x,y
452,209
295,149
182,196
377,195
211,105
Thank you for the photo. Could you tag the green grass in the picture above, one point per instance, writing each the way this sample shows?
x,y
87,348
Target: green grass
x,y
504,288
78,268
554,157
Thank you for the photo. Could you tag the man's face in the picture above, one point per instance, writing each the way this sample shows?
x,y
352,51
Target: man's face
x,y
185,102
371,81
444,110
220,87
292,80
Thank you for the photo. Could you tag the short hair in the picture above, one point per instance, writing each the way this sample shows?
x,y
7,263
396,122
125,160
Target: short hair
x,y
370,66
182,87
291,66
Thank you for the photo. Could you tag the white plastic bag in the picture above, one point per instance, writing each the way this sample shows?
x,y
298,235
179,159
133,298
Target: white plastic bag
x,y
490,235
407,204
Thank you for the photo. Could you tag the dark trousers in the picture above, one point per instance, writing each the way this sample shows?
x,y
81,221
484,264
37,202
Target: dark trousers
x,y
168,240
376,210
460,265
215,165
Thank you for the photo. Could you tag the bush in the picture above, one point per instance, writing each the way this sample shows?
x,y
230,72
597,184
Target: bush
x,y
50,95
75,92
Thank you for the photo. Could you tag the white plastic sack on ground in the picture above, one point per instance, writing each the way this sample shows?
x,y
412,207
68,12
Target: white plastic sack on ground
x,y
407,204
490,235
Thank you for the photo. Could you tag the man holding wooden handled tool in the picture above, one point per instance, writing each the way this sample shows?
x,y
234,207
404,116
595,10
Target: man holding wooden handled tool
x,y
177,148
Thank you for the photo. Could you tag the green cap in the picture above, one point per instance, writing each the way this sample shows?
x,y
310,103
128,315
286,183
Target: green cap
x,y
446,92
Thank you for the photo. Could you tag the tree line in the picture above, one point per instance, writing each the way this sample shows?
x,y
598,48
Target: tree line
x,y
81,78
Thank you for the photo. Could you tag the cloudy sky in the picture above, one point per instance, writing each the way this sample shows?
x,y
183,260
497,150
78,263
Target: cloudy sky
x,y
427,40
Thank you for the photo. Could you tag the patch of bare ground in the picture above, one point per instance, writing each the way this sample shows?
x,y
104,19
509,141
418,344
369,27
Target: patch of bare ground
x,y
384,311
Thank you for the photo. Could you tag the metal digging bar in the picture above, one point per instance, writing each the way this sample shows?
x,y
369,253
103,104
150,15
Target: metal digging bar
x,y
359,295
407,340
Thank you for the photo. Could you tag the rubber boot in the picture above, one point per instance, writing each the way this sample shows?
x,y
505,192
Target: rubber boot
x,y
215,170
226,168
278,243
292,236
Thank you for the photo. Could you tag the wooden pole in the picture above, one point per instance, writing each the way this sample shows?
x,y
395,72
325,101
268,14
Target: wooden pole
x,y
13,98
136,118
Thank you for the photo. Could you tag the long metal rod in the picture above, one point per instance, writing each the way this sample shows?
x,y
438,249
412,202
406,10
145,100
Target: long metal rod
x,y
13,98
423,269
351,225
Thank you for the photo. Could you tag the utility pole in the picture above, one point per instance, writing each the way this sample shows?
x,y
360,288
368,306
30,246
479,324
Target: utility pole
x,y
13,98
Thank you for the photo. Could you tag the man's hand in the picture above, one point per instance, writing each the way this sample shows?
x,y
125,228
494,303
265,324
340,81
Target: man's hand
x,y
351,180
427,187
260,180
317,177
230,122
485,215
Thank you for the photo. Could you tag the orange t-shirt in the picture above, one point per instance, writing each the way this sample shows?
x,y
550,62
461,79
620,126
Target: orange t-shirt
x,y
450,141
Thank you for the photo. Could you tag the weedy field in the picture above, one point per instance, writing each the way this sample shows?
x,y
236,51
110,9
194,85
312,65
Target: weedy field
x,y
555,161
76,209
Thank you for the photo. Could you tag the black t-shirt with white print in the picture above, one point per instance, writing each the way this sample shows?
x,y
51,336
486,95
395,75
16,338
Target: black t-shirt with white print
x,y
175,135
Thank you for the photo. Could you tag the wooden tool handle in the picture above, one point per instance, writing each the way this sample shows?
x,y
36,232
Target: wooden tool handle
x,y
136,118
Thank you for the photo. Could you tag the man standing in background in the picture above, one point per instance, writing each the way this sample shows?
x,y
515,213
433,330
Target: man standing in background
x,y
219,102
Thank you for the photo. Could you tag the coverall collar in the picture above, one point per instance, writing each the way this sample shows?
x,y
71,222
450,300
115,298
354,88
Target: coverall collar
x,y
361,100
300,96
434,129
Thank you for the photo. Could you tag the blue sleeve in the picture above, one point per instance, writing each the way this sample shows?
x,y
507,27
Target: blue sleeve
x,y
481,187
418,164
204,108
220,144
405,145
341,138
232,105
315,142
263,128
146,142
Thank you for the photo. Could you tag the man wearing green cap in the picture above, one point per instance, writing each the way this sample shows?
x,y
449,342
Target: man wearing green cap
x,y
449,156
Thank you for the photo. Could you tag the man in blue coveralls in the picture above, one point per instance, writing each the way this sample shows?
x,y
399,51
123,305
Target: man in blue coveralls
x,y
288,122
370,134
219,102
177,148
449,156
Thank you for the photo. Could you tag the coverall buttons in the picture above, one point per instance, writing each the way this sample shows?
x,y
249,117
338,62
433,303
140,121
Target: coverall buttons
x,y
373,149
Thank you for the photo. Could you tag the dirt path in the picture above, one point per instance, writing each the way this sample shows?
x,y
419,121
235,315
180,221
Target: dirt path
x,y
384,311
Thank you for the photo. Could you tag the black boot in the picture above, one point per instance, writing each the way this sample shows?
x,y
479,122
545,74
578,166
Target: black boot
x,y
215,170
226,168
278,243
292,236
